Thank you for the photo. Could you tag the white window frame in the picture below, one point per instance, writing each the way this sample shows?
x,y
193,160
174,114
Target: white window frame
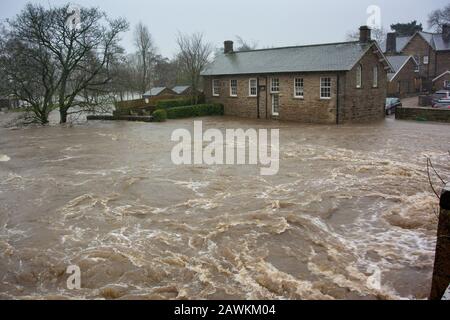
x,y
250,87
446,83
426,60
300,88
232,94
375,77
277,96
214,87
329,87
359,76
272,86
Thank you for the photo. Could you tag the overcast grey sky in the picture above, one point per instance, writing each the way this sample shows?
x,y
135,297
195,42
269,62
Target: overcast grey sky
x,y
269,22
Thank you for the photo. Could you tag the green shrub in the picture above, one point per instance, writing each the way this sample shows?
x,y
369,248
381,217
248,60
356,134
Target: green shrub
x,y
160,115
167,104
200,110
182,102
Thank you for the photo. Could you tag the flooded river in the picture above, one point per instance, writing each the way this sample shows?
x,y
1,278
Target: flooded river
x,y
350,205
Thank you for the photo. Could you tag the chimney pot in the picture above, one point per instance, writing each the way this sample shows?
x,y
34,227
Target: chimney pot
x,y
365,34
391,42
228,45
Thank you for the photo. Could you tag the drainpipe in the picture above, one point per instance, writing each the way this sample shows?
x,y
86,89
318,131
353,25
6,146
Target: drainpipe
x,y
257,97
441,275
337,99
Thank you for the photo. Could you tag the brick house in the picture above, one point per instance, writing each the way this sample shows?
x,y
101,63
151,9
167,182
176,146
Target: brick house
x,y
403,81
430,50
329,83
442,81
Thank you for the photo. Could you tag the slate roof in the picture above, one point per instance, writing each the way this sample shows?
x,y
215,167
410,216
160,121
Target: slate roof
x,y
180,89
397,63
154,91
312,58
435,40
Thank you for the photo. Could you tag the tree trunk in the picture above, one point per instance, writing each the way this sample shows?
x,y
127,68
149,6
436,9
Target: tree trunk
x,y
63,115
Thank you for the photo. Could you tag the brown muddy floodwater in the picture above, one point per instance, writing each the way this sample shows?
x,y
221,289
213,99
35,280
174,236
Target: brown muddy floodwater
x,y
348,201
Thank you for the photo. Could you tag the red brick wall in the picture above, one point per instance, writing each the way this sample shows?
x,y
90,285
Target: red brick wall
x,y
443,62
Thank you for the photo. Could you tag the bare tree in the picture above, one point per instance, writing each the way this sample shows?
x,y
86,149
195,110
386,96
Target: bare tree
x,y
29,74
438,18
146,51
193,57
82,53
378,34
244,45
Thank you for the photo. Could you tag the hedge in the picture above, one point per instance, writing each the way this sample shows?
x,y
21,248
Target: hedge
x,y
174,103
159,115
200,110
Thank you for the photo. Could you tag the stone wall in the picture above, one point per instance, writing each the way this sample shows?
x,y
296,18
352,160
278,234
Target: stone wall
x,y
423,114
311,108
368,102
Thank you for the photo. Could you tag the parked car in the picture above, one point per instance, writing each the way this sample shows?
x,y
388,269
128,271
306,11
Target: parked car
x,y
440,95
392,104
442,104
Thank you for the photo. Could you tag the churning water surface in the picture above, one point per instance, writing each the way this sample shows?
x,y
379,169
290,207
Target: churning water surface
x,y
350,204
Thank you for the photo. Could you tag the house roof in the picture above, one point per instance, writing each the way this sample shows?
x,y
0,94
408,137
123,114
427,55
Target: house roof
x,y
180,89
312,58
435,40
154,91
441,75
397,63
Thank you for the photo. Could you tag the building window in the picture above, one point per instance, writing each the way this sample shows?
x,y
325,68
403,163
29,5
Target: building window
x,y
325,88
375,77
275,85
426,60
446,84
359,76
298,88
253,87
233,88
216,88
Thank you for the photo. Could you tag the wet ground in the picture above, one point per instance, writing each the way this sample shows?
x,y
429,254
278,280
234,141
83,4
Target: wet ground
x,y
350,205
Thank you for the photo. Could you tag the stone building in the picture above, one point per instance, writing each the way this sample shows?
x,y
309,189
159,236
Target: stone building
x,y
403,82
430,50
329,83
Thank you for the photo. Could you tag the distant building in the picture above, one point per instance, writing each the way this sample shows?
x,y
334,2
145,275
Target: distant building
x,y
9,102
430,50
404,81
442,81
329,83
158,91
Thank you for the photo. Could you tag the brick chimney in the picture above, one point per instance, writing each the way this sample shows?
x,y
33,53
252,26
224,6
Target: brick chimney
x,y
391,42
446,32
228,45
365,34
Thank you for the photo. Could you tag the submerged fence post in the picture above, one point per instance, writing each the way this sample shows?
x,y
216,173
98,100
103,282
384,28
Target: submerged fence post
x,y
441,275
